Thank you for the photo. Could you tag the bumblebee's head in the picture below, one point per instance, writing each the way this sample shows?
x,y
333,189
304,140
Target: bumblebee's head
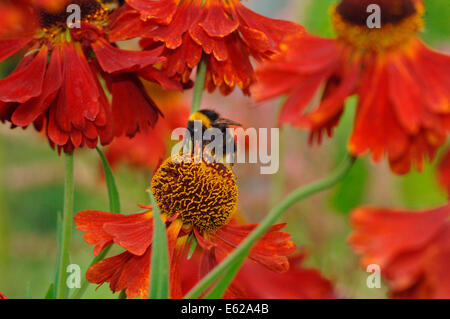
x,y
207,117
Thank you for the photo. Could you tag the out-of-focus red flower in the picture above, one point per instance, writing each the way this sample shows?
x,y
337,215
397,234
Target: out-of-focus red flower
x,y
57,87
256,282
412,249
188,208
2,296
224,30
403,86
147,150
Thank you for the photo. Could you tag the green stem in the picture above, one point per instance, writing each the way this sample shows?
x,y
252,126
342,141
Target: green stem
x,y
199,86
114,207
265,225
63,254
123,294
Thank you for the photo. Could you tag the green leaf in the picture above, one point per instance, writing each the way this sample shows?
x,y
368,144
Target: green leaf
x,y
50,292
114,207
219,290
351,191
192,247
113,194
159,275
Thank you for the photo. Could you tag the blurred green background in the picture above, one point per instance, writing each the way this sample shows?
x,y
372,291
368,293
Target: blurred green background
x,y
31,184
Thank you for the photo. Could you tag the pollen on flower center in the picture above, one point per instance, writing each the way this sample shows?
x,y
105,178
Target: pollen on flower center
x,y
204,194
91,11
400,22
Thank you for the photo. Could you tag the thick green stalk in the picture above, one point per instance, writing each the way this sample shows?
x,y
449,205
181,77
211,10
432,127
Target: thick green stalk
x,y
199,86
63,253
265,225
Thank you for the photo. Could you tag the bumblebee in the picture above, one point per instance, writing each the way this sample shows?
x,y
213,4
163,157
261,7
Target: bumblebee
x,y
211,119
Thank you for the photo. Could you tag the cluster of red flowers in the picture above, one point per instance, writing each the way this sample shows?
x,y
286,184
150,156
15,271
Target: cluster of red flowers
x,y
62,84
224,31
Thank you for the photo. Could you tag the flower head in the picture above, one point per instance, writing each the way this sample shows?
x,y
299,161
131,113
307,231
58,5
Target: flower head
x,y
197,199
57,87
224,30
412,249
205,200
402,86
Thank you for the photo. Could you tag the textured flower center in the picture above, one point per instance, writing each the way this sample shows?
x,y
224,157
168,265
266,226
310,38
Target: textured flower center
x,y
400,22
91,11
204,194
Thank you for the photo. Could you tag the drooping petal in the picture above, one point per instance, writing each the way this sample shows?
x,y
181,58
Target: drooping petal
x,y
102,228
215,21
32,109
160,10
297,283
412,249
115,60
172,35
333,101
10,46
382,233
134,232
374,112
79,99
124,271
271,250
125,24
263,34
133,110
160,77
178,254
27,82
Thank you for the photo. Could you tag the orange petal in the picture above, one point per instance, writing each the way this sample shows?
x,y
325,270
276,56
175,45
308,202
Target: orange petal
x,y
93,224
124,271
381,234
271,250
26,81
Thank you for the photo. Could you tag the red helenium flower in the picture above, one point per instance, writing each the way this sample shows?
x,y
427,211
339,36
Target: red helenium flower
x,y
56,86
254,281
188,208
412,249
225,31
403,86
